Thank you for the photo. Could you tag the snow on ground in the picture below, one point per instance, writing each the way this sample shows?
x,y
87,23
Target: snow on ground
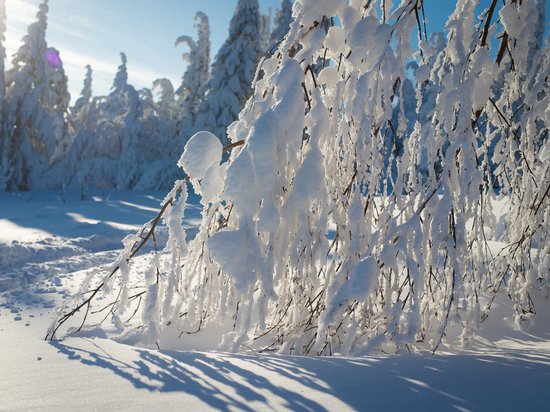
x,y
49,233
48,246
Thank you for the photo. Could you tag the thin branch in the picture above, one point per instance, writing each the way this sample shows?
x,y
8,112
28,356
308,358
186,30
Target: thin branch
x,y
144,240
488,23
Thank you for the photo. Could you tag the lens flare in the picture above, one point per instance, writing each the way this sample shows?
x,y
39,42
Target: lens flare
x,y
53,58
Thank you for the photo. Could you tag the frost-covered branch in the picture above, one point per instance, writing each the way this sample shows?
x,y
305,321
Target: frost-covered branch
x,y
139,241
357,214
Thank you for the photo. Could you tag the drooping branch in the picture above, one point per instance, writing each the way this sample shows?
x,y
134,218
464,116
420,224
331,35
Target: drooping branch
x,y
135,249
487,25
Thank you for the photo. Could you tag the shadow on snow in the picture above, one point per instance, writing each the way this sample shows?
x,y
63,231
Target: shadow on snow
x,y
504,380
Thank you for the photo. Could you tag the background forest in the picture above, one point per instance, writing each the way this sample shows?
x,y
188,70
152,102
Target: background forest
x,y
130,139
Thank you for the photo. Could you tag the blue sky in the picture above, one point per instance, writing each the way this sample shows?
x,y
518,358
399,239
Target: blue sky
x,y
96,31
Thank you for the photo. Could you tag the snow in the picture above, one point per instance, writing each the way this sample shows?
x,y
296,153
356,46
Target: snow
x,y
45,233
201,151
504,369
232,71
410,268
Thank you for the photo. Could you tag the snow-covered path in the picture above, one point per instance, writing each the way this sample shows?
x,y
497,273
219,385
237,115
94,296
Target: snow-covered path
x,y
504,370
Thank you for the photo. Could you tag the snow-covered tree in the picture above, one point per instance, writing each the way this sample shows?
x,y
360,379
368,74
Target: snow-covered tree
x,y
265,30
5,163
86,93
301,249
81,114
29,125
160,145
191,92
124,140
232,71
103,152
59,100
166,95
93,158
282,22
164,106
121,78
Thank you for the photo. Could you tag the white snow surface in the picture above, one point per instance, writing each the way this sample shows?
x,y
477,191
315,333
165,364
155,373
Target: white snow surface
x,y
201,151
48,246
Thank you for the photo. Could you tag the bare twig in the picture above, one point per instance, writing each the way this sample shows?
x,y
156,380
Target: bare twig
x,y
488,23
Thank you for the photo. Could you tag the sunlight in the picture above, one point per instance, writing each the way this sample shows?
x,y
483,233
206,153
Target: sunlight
x,y
21,11
140,207
426,386
87,221
82,219
10,232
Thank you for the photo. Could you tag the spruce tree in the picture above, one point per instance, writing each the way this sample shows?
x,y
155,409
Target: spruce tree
x,y
30,128
120,136
59,99
5,163
191,92
281,23
86,93
232,72
92,160
158,146
265,30
121,78
165,107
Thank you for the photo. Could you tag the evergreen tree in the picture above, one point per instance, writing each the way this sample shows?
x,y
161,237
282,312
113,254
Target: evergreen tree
x,y
86,93
59,99
5,163
232,72
30,128
191,92
92,160
281,23
115,103
265,30
120,136
121,78
134,148
158,147
166,107
166,92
